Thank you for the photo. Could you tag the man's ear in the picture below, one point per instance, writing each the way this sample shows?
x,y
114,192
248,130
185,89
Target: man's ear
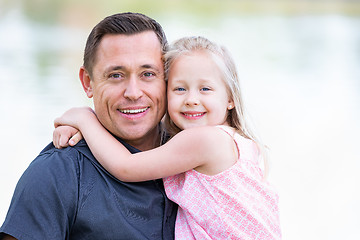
x,y
86,81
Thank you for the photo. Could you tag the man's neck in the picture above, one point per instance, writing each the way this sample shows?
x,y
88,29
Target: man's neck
x,y
147,142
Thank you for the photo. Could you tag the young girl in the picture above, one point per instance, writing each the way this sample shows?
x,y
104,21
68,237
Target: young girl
x,y
211,165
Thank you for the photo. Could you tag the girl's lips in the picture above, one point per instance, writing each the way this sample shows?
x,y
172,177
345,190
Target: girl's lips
x,y
193,115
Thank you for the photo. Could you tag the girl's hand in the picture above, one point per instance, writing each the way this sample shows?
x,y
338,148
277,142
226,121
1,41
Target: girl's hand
x,y
65,136
67,126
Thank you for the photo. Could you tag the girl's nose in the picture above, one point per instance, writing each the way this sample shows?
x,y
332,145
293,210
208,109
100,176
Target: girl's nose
x,y
192,99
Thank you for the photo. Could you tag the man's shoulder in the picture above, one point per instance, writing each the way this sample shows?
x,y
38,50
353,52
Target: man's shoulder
x,y
81,149
55,161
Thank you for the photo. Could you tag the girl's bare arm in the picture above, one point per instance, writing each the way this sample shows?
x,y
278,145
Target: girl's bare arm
x,y
204,148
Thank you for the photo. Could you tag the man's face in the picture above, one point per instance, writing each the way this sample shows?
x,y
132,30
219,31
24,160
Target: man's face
x,y
128,87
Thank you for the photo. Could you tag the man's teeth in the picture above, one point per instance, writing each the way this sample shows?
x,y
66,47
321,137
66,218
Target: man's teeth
x,y
194,115
133,111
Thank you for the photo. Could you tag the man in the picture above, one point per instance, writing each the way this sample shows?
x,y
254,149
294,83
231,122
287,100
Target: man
x,y
66,193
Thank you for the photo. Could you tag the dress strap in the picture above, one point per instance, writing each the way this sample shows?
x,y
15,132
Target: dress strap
x,y
229,130
232,133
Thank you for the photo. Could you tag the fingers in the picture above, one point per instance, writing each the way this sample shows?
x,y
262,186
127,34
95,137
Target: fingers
x,y
75,139
57,135
62,134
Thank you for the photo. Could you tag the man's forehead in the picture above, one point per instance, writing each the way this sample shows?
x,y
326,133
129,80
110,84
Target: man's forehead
x,y
121,52
145,38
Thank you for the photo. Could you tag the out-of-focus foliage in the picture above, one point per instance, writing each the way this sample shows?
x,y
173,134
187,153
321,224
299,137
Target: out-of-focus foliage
x,y
80,11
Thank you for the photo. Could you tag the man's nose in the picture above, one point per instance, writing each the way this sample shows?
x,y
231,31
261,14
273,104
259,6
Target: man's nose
x,y
133,89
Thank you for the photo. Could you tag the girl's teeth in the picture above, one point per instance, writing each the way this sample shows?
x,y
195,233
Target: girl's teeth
x,y
193,115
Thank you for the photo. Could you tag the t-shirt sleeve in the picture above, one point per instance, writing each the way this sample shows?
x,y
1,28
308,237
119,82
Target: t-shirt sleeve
x,y
45,199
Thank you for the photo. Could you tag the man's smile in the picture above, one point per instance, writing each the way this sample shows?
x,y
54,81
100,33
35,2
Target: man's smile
x,y
133,111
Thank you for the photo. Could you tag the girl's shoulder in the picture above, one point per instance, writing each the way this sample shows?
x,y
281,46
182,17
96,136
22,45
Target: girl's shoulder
x,y
216,146
209,130
238,138
210,135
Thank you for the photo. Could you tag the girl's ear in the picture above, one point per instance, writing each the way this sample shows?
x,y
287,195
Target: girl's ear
x,y
86,81
230,105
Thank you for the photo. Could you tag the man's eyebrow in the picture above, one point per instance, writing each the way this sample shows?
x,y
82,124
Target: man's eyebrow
x,y
116,67
150,66
123,68
113,68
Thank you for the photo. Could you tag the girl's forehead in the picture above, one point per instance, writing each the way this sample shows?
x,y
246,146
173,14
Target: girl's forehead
x,y
191,70
196,53
196,57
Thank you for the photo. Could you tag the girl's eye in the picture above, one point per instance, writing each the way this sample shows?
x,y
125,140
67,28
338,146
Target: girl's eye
x,y
180,89
205,89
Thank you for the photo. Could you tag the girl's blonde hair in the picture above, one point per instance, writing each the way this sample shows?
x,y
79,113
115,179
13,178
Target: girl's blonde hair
x,y
221,56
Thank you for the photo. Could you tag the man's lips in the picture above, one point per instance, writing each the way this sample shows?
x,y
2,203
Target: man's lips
x,y
134,113
133,110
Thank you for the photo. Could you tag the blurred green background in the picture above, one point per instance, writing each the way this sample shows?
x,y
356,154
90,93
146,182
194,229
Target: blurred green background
x,y
82,13
299,64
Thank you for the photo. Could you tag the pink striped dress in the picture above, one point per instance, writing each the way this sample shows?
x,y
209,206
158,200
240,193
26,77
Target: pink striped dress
x,y
234,204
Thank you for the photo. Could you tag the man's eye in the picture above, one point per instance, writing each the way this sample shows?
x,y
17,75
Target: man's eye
x,y
149,74
115,75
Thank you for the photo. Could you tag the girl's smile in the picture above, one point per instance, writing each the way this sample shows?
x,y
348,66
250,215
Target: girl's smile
x,y
193,115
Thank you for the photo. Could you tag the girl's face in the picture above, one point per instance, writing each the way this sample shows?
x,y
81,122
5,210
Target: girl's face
x,y
197,95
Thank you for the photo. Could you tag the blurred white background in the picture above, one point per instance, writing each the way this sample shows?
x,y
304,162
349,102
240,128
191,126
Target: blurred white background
x,y
299,63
